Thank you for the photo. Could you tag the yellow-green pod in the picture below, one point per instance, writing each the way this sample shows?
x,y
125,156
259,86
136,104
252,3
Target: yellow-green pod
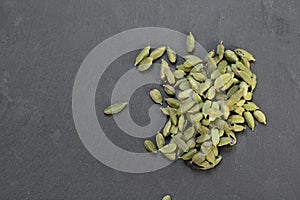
x,y
220,50
169,148
166,197
244,54
157,53
156,96
143,54
171,55
145,64
189,155
160,140
150,146
167,128
260,116
249,119
115,108
190,42
231,56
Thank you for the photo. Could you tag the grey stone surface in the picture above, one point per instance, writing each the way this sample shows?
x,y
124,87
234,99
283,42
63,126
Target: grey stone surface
x,y
43,43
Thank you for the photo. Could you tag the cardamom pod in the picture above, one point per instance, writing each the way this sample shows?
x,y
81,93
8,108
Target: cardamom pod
x,y
171,55
156,96
115,108
145,64
190,43
260,116
143,54
160,140
157,53
150,146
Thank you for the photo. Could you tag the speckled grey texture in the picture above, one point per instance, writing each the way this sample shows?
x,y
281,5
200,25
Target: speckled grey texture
x,y
43,43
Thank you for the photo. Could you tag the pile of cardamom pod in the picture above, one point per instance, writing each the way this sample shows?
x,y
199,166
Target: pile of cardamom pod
x,y
210,100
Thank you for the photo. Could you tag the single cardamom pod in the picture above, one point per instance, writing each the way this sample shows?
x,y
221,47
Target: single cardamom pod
x,y
169,148
260,116
145,64
150,146
231,56
156,96
160,140
115,108
171,55
190,43
166,197
249,119
143,54
157,53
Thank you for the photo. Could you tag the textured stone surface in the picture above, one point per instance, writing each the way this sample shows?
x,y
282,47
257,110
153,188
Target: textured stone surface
x,y
43,43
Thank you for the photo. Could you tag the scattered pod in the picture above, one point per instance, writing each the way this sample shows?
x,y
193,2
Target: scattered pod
x,y
145,64
220,50
224,141
189,155
254,82
236,119
181,123
246,77
171,55
191,61
174,103
222,66
250,106
156,96
244,54
169,148
260,116
150,146
190,42
157,53
166,197
179,73
249,119
115,108
170,90
143,54
165,111
166,72
231,56
248,96
167,128
160,140
170,156
237,128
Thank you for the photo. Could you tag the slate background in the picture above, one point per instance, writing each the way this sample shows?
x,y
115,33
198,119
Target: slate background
x,y
43,43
